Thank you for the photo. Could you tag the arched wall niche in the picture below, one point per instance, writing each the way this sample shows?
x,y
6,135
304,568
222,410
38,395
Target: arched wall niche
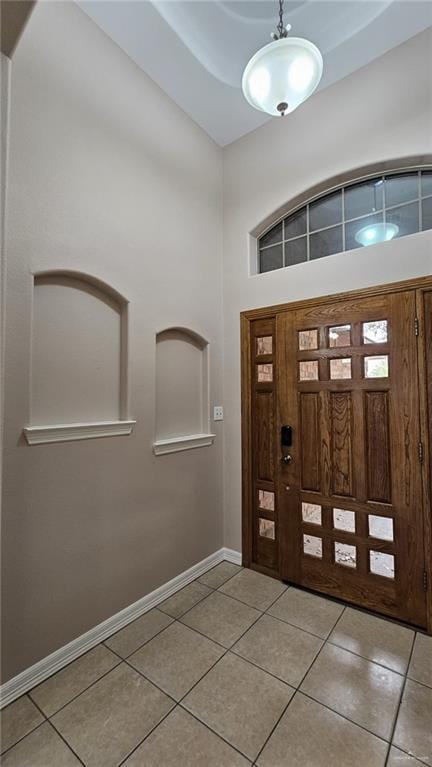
x,y
79,361
182,391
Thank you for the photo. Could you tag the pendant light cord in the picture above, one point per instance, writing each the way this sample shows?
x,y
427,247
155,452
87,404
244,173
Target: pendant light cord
x,y
280,26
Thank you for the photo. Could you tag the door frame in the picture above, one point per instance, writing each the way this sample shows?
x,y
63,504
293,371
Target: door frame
x,y
421,285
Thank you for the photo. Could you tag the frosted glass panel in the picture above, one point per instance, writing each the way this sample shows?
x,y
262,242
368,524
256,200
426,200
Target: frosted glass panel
x,y
311,513
308,371
382,564
344,520
265,345
345,554
265,373
376,367
340,368
266,500
375,332
312,546
267,529
381,527
340,336
308,339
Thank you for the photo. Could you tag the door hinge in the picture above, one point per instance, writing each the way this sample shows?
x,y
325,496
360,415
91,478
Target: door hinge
x,y
425,580
416,327
420,452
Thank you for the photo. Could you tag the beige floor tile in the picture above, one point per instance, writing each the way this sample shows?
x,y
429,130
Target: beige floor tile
x,y
127,640
414,724
17,720
59,689
374,638
42,748
182,741
421,662
219,574
110,719
240,702
310,735
358,689
307,611
184,599
279,648
254,589
221,618
176,659
398,758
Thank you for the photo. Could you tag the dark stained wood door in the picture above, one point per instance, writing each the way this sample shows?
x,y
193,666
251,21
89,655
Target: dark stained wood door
x,y
344,501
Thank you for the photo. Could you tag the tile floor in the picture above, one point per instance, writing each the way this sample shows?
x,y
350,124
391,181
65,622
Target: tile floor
x,y
233,670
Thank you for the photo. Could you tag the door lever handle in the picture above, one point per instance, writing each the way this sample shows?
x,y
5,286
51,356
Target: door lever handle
x,y
287,459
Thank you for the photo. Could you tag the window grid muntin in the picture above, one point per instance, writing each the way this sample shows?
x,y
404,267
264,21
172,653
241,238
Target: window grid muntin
x,y
380,177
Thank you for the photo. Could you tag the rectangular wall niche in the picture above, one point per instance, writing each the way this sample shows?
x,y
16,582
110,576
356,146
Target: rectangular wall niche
x,y
78,364
182,392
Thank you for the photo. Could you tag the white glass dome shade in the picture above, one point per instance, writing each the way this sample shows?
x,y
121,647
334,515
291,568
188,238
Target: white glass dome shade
x,y
282,74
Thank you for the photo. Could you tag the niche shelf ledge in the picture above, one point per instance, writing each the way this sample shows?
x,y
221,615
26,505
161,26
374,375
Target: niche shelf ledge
x,y
70,432
186,442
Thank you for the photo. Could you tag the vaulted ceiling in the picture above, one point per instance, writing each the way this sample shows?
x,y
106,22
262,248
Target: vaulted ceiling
x,y
196,50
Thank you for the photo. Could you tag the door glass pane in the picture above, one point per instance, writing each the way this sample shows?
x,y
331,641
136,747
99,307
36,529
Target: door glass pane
x,y
295,224
308,371
344,520
340,368
271,258
401,188
311,513
353,229
271,237
265,373
295,251
267,528
326,211
426,182
363,198
406,218
265,345
382,564
345,554
340,336
427,214
312,546
266,500
326,242
381,527
376,367
308,339
375,332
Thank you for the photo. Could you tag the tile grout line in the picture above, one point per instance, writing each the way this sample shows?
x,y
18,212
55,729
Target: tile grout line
x,y
47,718
58,733
295,693
396,716
178,704
22,737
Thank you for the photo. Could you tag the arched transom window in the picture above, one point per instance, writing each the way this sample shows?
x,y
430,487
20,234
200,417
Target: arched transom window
x,y
355,215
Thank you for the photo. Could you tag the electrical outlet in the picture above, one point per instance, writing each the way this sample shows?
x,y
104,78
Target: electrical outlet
x,y
218,413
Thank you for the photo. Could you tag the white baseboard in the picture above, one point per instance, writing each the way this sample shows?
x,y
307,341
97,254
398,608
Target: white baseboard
x,y
44,668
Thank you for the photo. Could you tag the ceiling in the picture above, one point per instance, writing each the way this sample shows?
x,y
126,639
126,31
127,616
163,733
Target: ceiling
x,y
196,50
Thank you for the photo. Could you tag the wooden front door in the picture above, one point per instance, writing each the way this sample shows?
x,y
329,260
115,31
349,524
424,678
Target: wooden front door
x,y
338,508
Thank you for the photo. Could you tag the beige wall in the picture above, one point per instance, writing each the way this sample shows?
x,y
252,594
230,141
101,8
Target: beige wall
x,y
107,177
381,112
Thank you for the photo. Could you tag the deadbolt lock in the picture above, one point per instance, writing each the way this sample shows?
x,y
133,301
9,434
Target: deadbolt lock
x,y
287,459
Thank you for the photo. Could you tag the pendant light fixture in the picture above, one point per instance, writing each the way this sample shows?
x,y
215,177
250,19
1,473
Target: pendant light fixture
x,y
283,74
375,233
